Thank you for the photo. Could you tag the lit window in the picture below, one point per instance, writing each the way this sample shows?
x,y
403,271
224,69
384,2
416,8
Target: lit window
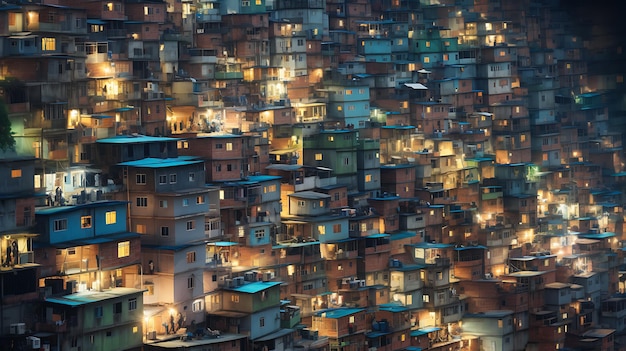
x,y
123,249
321,229
16,173
48,44
141,228
337,228
426,59
229,146
500,323
200,199
368,178
85,222
318,157
234,298
111,217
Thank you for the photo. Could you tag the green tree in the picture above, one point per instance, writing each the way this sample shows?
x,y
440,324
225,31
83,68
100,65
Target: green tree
x,y
7,141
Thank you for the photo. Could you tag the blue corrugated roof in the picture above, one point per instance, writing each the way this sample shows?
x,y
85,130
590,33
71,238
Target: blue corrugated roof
x,y
377,236
392,307
339,312
470,247
263,178
92,296
254,287
424,331
602,235
223,243
61,209
402,235
424,245
152,162
376,334
134,139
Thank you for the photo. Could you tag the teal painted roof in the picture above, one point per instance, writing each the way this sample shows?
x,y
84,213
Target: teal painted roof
x,y
400,165
377,236
402,235
254,287
339,312
424,331
223,243
134,139
408,267
602,235
398,127
151,162
92,296
70,208
425,245
391,307
263,178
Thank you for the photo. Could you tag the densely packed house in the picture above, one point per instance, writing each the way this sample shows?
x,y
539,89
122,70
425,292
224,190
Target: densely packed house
x,y
339,175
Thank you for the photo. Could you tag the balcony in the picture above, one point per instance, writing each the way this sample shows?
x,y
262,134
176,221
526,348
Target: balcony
x,y
228,75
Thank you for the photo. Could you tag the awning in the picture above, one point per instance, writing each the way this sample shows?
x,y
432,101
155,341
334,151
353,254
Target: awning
x,y
30,36
98,116
424,331
416,86
424,71
377,236
223,243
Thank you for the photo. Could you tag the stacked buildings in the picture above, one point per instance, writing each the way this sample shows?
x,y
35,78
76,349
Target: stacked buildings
x,y
329,175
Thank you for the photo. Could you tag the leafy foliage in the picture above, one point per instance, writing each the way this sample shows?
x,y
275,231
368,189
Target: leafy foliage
x,y
7,141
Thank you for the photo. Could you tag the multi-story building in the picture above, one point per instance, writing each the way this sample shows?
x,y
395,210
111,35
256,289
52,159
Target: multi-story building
x,y
346,144
90,276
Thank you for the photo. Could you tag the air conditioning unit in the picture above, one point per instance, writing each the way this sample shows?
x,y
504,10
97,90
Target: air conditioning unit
x,y
249,276
362,283
267,276
229,283
71,286
238,281
17,329
33,342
